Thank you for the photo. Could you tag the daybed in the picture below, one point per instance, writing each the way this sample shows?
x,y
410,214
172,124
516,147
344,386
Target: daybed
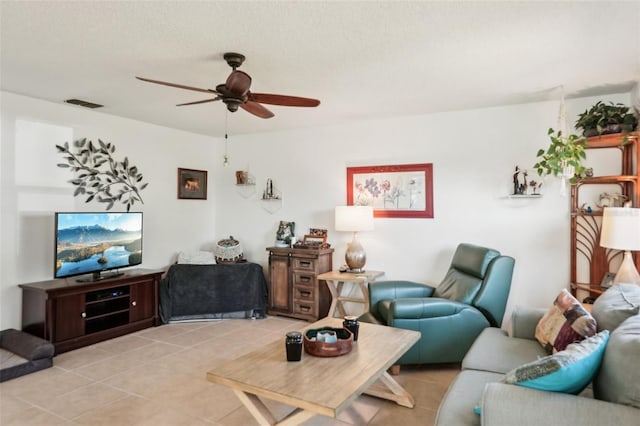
x,y
478,397
196,292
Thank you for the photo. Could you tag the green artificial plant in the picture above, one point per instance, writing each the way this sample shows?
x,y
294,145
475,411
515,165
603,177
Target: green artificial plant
x,y
99,175
602,119
563,152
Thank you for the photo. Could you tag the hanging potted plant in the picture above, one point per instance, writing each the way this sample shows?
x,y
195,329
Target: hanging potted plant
x,y
604,119
563,158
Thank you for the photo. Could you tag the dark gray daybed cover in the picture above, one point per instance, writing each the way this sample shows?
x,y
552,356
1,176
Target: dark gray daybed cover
x,y
201,291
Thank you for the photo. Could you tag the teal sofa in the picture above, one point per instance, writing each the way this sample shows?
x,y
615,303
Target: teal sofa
x,y
471,297
479,396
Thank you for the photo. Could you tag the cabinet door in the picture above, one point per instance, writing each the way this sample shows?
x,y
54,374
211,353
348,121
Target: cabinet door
x,y
279,288
69,317
141,301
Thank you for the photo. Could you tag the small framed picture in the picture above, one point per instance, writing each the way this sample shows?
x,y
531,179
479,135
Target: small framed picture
x,y
607,279
319,232
192,184
314,240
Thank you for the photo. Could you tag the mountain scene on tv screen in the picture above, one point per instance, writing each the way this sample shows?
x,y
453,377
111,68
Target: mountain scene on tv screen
x,y
85,249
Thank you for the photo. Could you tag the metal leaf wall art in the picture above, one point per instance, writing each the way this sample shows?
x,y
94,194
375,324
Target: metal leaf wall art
x,y
99,176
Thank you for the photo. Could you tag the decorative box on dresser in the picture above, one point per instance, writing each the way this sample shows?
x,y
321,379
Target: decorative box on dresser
x,y
294,288
72,314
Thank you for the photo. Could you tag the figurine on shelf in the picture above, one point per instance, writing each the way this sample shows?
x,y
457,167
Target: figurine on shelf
x,y
268,193
586,208
519,181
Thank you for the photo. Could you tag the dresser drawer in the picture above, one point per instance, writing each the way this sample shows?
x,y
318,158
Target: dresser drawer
x,y
305,308
304,279
303,264
304,293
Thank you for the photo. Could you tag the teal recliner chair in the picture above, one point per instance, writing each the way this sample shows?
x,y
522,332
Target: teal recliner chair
x,y
471,297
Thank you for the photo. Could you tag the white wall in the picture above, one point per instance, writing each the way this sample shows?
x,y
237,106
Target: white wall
x,y
473,153
33,188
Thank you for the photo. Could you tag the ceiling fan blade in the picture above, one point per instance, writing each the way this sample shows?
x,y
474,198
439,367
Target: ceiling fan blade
x,y
238,83
283,100
179,86
200,102
256,109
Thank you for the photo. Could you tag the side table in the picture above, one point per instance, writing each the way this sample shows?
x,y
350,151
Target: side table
x,y
336,280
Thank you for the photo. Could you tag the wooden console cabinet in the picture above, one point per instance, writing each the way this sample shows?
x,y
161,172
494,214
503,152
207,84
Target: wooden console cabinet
x,y
294,288
72,314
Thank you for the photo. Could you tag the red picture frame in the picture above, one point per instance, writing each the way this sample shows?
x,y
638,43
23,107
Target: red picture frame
x,y
402,191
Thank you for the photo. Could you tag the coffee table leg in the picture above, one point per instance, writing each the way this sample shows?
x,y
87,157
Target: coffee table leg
x,y
264,417
391,391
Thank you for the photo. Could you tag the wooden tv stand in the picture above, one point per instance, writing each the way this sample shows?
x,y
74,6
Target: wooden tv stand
x,y
72,314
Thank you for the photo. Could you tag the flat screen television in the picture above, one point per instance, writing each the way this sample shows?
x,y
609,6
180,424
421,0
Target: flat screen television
x,y
93,243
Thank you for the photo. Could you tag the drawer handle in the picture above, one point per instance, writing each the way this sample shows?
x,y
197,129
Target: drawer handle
x,y
304,308
305,279
305,263
305,293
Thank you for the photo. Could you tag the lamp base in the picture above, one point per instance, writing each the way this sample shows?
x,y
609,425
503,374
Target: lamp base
x,y
627,274
355,256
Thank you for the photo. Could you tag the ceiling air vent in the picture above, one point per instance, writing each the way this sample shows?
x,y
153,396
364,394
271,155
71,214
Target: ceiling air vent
x,y
82,103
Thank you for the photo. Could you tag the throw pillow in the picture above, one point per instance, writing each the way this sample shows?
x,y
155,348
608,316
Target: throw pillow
x,y
568,371
196,257
565,322
615,305
619,377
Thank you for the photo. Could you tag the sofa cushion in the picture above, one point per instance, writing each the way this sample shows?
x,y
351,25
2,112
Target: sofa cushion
x,y
197,257
619,376
507,405
463,395
565,322
568,371
615,305
494,351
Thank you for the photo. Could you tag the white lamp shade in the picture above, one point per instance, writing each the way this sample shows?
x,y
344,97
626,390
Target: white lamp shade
x,y
354,218
620,228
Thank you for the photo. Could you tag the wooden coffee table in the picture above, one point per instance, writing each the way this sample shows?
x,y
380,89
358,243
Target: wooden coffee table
x,y
317,385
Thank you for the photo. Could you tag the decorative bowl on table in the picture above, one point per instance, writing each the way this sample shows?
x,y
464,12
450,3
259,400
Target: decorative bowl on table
x,y
342,346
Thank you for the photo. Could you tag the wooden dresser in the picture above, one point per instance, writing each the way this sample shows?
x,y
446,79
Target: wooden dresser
x,y
294,288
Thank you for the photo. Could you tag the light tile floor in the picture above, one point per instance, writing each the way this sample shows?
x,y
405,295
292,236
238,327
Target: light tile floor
x,y
157,377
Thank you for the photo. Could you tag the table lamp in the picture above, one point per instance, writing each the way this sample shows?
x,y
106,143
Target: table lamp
x,y
354,219
621,231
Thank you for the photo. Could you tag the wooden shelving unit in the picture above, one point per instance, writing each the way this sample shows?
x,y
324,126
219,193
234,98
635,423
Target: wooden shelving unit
x,y
586,252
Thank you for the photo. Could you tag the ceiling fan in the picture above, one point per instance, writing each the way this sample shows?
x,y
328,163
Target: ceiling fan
x,y
235,92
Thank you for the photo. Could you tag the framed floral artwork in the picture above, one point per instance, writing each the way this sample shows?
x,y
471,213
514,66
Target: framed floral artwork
x,y
404,190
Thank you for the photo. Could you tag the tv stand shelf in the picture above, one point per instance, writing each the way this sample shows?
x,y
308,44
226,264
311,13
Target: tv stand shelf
x,y
72,314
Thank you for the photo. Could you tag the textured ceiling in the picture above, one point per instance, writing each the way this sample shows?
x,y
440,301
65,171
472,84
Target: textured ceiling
x,y
362,59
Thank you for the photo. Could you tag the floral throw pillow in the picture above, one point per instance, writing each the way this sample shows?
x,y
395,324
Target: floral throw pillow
x,y
564,323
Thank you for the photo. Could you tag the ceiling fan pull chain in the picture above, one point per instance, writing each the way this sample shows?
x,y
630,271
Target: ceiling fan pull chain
x,y
225,161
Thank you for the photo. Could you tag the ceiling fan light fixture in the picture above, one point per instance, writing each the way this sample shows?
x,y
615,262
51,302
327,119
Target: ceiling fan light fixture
x,y
235,92
233,103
